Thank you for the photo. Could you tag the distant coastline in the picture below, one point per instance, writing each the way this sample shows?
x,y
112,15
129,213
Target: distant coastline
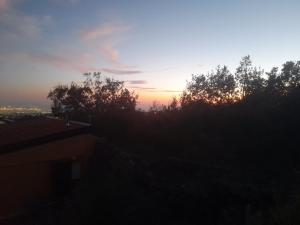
x,y
7,110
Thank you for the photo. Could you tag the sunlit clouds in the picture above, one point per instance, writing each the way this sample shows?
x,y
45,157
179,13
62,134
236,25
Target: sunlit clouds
x,y
109,53
93,47
120,71
136,81
101,32
153,49
106,38
4,5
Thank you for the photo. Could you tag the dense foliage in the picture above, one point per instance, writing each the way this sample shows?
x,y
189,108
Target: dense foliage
x,y
226,152
93,96
220,86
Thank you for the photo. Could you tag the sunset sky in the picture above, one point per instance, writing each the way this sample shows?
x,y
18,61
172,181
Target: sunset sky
x,y
153,45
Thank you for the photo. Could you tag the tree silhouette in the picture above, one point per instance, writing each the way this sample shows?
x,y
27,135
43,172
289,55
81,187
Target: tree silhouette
x,y
173,106
249,78
274,84
93,96
78,98
217,87
235,132
221,86
290,75
198,88
57,95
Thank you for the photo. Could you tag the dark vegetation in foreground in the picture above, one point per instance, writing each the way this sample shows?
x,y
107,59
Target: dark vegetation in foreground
x,y
226,152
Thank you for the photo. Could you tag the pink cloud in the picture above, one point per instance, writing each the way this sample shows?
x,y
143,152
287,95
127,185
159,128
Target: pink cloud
x,y
102,32
143,88
4,5
105,38
136,81
80,64
110,53
121,71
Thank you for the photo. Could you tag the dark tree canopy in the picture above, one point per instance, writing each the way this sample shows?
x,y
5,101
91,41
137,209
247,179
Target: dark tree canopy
x,y
221,87
229,155
217,87
95,95
57,95
290,74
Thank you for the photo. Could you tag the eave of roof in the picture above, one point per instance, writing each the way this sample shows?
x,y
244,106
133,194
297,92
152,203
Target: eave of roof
x,y
20,135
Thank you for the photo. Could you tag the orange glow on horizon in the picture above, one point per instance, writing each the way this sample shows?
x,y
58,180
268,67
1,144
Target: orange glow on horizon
x,y
146,99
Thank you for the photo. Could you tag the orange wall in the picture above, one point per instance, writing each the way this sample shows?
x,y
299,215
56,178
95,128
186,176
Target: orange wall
x,y
25,175
23,186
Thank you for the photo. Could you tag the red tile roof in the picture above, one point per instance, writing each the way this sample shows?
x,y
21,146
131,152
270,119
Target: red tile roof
x,y
22,133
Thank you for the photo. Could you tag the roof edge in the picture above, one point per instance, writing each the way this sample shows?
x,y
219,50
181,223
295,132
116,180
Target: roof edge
x,y
71,121
10,148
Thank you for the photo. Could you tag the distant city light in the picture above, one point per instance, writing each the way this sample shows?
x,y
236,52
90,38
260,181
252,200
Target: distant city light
x,y
20,110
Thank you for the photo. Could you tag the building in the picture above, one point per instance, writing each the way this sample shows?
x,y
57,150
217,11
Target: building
x,y
40,160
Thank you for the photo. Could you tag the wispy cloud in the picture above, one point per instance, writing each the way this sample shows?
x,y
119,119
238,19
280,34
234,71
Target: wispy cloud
x,y
110,53
136,81
4,5
82,63
102,32
18,25
174,91
121,71
65,2
103,37
143,88
153,89
79,64
106,38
